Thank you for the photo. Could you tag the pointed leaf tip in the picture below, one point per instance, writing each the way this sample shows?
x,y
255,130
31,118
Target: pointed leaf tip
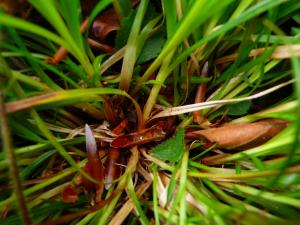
x,y
91,146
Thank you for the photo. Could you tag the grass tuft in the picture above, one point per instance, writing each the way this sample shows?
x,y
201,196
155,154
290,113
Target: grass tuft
x,y
194,106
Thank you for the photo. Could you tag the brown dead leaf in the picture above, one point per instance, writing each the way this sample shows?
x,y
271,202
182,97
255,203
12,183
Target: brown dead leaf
x,y
241,136
14,7
107,22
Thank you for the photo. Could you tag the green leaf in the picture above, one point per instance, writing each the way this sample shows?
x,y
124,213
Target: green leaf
x,y
155,82
123,7
127,22
152,47
71,12
240,108
35,165
295,31
171,149
123,32
297,18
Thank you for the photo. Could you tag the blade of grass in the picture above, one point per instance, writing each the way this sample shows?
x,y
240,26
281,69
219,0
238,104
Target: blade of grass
x,y
193,18
243,17
70,11
36,67
49,10
8,147
33,28
294,169
155,194
66,172
130,54
195,107
131,167
123,7
142,217
60,149
68,97
263,194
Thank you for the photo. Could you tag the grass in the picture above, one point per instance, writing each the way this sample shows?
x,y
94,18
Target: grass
x,y
242,57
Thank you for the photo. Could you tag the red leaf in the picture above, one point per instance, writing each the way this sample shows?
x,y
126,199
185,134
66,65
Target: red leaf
x,y
153,133
112,170
121,141
69,194
119,129
88,185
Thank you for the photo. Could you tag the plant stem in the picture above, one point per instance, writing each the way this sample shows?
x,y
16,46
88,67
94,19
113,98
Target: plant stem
x,y
161,77
7,144
130,55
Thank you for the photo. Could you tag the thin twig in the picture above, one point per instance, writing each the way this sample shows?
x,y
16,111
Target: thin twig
x,y
14,173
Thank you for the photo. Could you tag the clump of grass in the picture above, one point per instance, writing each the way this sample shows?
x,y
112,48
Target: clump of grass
x,y
154,94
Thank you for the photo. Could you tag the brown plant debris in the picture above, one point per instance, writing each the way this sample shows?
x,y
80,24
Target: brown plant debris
x,y
241,136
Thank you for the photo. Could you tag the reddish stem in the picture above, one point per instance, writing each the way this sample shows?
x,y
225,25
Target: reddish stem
x,y
200,96
155,132
62,52
119,129
111,168
98,45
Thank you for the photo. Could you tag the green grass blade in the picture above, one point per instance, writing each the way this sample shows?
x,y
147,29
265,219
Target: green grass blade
x,y
32,28
130,55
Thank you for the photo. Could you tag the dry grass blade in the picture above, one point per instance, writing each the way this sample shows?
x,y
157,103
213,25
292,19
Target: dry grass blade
x,y
12,160
280,52
129,206
195,107
112,60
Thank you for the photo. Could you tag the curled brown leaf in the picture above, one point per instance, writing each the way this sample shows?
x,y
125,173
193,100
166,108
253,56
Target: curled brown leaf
x,y
104,24
241,136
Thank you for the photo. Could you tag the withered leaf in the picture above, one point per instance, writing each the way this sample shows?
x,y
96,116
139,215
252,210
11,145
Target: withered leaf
x,y
107,22
243,136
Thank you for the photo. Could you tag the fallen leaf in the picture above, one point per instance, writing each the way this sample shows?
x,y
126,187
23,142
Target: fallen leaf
x,y
16,7
104,24
241,136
